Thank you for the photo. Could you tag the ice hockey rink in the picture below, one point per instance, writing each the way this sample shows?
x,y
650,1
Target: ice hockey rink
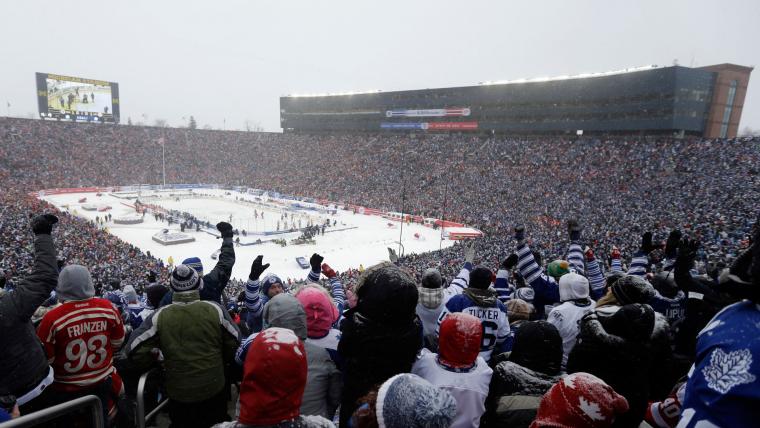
x,y
355,240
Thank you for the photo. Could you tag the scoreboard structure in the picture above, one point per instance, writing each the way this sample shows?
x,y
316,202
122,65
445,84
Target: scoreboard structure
x,y
77,99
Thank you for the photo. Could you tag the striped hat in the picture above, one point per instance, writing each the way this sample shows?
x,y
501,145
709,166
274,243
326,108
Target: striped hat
x,y
195,263
185,278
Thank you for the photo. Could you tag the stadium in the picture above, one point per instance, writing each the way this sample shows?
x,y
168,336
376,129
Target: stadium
x,y
580,250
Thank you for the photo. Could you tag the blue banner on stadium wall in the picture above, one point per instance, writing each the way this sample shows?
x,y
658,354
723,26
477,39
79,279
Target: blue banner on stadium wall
x,y
402,125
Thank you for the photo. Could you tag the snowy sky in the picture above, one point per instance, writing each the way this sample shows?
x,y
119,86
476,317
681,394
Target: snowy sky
x,y
226,62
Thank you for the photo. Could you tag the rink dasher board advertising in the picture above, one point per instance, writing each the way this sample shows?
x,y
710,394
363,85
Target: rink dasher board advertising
x,y
77,99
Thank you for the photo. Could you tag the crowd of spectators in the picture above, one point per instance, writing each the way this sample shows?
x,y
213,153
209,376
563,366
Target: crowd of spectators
x,y
652,239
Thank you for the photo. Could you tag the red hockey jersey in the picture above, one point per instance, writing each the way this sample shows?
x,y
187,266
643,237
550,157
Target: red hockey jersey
x,y
79,339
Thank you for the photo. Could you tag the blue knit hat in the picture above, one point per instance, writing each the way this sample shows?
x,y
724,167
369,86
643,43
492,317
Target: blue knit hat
x,y
268,281
195,263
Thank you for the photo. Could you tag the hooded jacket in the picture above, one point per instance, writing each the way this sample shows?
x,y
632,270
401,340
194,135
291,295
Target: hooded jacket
x,y
267,398
321,395
381,336
627,347
197,338
23,364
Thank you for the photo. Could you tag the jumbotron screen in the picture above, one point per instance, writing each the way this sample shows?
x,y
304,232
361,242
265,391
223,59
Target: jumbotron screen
x,y
77,99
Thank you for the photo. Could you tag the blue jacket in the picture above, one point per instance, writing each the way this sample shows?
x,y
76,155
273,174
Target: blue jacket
x,y
723,383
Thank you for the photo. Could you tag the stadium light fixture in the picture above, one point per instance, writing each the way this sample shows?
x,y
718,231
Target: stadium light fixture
x,y
569,77
334,94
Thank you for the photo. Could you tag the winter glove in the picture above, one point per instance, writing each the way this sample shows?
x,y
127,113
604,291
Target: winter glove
x,y
316,261
646,243
392,256
257,268
671,246
687,253
615,253
509,262
574,230
43,224
589,253
328,271
225,229
519,233
469,253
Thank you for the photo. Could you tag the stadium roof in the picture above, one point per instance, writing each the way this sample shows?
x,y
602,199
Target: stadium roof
x,y
496,82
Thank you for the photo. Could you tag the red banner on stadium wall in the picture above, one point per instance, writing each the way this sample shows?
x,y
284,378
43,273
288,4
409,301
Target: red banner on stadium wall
x,y
452,125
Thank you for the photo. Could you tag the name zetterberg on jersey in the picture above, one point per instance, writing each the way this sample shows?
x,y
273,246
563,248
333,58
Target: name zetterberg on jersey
x,y
86,327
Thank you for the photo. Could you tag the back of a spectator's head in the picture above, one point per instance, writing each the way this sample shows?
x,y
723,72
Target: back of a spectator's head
x,y
519,310
285,311
131,294
321,312
387,294
459,340
409,401
74,283
274,378
154,295
480,277
580,400
431,278
538,346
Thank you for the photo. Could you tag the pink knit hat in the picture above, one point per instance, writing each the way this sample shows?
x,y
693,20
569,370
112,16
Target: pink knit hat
x,y
321,313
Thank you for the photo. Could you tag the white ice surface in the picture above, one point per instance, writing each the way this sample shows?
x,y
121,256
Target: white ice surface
x,y
365,245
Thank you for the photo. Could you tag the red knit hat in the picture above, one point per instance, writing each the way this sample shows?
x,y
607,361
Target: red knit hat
x,y
274,378
579,400
459,340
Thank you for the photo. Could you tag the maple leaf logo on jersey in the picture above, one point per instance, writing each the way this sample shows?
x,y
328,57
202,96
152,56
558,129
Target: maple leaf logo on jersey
x,y
728,370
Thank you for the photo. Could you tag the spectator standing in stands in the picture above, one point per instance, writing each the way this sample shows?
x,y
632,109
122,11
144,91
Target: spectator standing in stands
x,y
215,281
197,339
381,335
80,338
24,368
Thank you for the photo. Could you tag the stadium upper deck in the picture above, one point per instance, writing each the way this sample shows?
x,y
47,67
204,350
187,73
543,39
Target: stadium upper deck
x,y
705,101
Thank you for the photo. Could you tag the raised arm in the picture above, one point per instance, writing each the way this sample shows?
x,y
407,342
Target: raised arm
x,y
575,251
253,301
217,279
35,288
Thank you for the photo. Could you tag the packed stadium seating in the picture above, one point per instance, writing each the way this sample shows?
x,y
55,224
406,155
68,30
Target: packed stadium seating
x,y
616,188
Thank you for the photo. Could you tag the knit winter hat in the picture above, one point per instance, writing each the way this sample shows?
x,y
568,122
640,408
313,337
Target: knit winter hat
x,y
321,312
432,279
573,286
269,281
525,293
538,346
518,309
184,278
386,294
665,283
274,378
74,283
131,294
155,294
580,400
409,401
557,268
195,263
632,289
459,340
480,277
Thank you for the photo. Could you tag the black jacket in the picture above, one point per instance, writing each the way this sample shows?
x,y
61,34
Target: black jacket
x,y
514,395
214,281
628,347
23,364
372,353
